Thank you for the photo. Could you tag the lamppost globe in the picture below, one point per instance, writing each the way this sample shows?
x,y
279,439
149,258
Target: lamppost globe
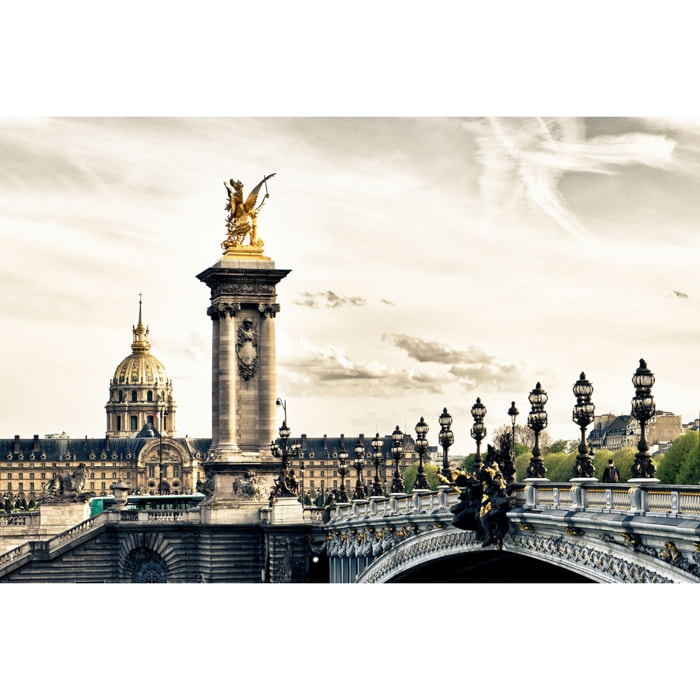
x,y
537,422
513,415
378,458
583,415
397,453
342,470
478,432
360,492
643,409
285,484
446,439
421,447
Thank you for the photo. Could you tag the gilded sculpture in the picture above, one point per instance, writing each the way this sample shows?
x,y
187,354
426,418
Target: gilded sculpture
x,y
242,218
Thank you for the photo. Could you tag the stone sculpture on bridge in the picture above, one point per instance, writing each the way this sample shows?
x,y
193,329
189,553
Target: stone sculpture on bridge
x,y
67,487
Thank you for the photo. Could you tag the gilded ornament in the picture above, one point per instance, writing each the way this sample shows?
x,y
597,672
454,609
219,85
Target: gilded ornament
x,y
242,219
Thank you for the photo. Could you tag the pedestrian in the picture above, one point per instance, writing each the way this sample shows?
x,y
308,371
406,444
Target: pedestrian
x,y
611,473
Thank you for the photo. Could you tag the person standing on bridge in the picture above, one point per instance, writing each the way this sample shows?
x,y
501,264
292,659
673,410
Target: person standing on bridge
x,y
611,473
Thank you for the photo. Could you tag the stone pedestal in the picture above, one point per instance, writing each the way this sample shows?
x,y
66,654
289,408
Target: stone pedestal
x,y
57,517
286,511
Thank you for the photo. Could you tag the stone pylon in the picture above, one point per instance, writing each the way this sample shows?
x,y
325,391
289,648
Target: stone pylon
x,y
240,467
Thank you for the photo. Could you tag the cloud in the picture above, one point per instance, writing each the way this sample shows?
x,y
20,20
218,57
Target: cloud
x,y
523,161
311,370
472,367
328,300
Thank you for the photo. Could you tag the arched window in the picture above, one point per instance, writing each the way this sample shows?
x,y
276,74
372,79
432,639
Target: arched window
x,y
133,396
149,395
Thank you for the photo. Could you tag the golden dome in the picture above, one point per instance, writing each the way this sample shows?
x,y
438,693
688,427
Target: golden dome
x,y
140,368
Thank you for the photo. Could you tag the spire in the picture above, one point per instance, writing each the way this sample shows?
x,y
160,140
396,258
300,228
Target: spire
x,y
140,343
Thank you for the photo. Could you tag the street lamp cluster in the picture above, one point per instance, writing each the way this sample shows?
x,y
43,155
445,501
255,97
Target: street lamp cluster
x,y
643,409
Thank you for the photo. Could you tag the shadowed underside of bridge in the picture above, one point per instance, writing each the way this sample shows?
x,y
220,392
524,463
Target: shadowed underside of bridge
x,y
489,566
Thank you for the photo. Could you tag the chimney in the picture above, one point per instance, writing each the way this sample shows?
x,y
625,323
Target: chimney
x,y
15,444
303,441
325,441
35,444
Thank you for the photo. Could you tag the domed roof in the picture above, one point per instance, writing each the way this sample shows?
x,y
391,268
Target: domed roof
x,y
140,367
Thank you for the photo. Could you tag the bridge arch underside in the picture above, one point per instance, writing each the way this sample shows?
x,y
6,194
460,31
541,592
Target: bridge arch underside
x,y
488,566
456,556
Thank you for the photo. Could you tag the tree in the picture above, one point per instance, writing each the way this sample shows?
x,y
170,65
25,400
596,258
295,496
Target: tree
x,y
411,473
525,436
681,463
559,465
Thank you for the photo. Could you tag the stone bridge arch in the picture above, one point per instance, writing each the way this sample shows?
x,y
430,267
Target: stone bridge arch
x,y
591,560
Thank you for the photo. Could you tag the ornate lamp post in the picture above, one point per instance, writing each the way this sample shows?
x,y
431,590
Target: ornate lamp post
x,y
643,409
537,422
396,454
342,470
285,485
513,414
582,415
360,488
378,459
446,438
478,432
422,448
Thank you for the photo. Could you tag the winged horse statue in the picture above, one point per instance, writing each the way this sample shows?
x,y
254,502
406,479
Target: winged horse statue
x,y
242,218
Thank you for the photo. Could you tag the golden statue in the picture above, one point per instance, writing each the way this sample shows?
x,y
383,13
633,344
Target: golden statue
x,y
242,218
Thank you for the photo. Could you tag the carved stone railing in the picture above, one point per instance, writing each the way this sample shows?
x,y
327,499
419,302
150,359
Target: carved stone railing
x,y
154,517
630,497
20,518
396,505
676,501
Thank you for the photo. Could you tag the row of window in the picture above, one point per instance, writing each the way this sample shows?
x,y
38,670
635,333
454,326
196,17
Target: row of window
x,y
43,477
134,396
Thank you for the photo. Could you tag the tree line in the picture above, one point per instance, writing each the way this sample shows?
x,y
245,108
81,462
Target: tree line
x,y
679,465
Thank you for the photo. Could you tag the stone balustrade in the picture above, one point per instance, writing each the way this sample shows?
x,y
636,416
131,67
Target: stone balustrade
x,y
630,497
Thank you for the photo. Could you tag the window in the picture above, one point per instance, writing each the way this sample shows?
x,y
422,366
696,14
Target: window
x,y
134,423
149,395
119,422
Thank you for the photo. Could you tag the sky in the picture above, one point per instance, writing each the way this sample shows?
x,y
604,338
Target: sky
x,y
434,261
445,243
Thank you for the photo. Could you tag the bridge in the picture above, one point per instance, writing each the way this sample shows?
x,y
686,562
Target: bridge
x,y
640,532
577,532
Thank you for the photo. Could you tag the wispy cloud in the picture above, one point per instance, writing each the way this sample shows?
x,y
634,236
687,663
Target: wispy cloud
x,y
328,300
523,161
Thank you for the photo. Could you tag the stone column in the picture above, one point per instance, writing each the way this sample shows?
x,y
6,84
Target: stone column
x,y
243,310
268,375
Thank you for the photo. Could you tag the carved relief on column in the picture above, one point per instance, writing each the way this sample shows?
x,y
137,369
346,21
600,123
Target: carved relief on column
x,y
247,349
